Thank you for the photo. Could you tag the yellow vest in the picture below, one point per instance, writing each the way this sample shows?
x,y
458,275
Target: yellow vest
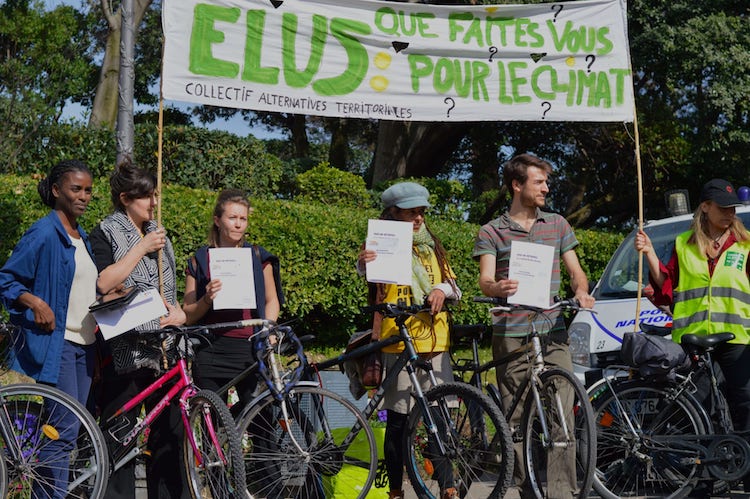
x,y
430,334
706,304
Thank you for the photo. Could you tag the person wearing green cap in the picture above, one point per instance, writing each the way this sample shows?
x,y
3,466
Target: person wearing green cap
x,y
433,284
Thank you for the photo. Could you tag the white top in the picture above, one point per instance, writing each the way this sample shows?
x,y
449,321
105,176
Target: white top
x,y
80,326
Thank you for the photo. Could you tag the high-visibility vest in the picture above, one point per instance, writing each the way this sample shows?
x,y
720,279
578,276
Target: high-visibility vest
x,y
706,303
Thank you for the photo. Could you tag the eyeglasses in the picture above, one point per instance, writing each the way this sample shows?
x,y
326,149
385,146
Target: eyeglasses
x,y
410,213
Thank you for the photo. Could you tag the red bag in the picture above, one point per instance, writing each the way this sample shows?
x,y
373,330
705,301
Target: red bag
x,y
370,367
372,370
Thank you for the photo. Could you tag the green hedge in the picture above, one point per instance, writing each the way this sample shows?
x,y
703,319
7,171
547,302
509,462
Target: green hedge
x,y
316,243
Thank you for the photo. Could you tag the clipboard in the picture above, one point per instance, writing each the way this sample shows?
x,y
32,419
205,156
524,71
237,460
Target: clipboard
x,y
115,299
145,306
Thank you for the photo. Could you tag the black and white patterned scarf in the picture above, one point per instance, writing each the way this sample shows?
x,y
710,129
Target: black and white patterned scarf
x,y
131,352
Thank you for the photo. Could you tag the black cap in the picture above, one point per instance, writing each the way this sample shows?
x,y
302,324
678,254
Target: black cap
x,y
720,192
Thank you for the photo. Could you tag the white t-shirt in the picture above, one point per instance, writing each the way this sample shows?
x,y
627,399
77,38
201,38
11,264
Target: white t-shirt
x,y
80,326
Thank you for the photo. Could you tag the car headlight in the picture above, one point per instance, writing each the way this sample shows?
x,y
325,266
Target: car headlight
x,y
580,340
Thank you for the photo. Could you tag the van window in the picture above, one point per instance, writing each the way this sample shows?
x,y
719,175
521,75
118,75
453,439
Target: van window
x,y
620,279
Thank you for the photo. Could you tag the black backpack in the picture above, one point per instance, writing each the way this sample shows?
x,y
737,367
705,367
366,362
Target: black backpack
x,y
654,356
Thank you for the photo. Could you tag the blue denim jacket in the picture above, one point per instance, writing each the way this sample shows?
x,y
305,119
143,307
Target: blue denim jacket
x,y
43,264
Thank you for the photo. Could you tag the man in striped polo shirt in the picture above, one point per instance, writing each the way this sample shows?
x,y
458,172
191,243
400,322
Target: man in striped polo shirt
x,y
525,177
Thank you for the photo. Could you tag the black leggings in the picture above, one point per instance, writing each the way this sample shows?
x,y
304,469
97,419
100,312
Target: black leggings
x,y
395,433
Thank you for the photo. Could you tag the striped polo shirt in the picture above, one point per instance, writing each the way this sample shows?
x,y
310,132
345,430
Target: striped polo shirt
x,y
494,238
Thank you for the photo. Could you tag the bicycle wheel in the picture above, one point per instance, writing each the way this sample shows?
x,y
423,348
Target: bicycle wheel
x,y
639,430
220,472
567,461
478,458
3,476
58,447
312,444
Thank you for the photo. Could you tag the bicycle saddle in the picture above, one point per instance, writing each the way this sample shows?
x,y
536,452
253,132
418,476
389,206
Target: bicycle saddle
x,y
706,342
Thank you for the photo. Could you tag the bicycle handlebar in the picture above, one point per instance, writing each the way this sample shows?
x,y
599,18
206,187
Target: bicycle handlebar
x,y
501,305
394,310
201,329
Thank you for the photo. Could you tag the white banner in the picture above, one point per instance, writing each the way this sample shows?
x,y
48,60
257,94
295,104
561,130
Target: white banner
x,y
565,61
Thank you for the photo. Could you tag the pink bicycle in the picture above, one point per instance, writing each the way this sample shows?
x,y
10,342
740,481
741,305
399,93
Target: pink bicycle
x,y
212,448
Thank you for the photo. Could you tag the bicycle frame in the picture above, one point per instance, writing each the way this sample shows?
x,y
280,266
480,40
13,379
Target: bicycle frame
x,y
184,388
408,359
534,353
530,382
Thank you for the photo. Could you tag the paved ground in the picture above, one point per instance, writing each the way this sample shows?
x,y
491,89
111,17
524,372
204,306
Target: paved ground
x,y
511,494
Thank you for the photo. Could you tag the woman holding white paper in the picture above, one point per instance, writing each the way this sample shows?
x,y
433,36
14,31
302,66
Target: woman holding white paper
x,y
432,284
230,352
126,247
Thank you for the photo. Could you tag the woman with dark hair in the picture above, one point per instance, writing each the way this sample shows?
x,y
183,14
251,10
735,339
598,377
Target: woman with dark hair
x,y
127,247
433,284
230,352
47,285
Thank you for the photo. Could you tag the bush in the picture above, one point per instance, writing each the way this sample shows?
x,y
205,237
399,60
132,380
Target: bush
x,y
317,245
213,160
331,186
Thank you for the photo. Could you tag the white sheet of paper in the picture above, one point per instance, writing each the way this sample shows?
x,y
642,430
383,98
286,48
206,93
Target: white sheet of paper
x,y
531,265
392,241
234,268
146,306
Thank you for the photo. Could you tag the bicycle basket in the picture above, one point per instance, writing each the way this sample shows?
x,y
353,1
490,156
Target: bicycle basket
x,y
654,356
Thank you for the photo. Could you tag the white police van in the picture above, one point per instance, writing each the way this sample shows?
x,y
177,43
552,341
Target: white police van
x,y
596,338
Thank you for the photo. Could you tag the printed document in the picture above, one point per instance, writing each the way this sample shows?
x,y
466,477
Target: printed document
x,y
392,241
146,306
234,268
531,265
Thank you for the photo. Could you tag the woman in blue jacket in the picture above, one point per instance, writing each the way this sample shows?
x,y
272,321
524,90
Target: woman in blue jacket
x,y
47,285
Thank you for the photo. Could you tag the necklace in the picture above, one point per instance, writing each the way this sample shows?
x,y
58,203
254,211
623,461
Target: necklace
x,y
716,240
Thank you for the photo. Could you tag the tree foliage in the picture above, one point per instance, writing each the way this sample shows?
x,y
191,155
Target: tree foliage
x,y
45,61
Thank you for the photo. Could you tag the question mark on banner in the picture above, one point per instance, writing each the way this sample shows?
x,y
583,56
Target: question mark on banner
x,y
449,100
547,106
493,51
593,58
559,9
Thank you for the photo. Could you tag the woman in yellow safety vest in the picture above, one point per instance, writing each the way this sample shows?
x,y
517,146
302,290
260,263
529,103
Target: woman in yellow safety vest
x,y
706,282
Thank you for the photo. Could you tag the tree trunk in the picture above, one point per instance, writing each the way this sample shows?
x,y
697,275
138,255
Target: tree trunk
x,y
104,109
298,127
338,153
413,149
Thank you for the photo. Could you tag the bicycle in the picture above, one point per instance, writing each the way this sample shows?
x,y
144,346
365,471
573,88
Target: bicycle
x,y
453,427
211,447
293,432
44,429
557,418
657,436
